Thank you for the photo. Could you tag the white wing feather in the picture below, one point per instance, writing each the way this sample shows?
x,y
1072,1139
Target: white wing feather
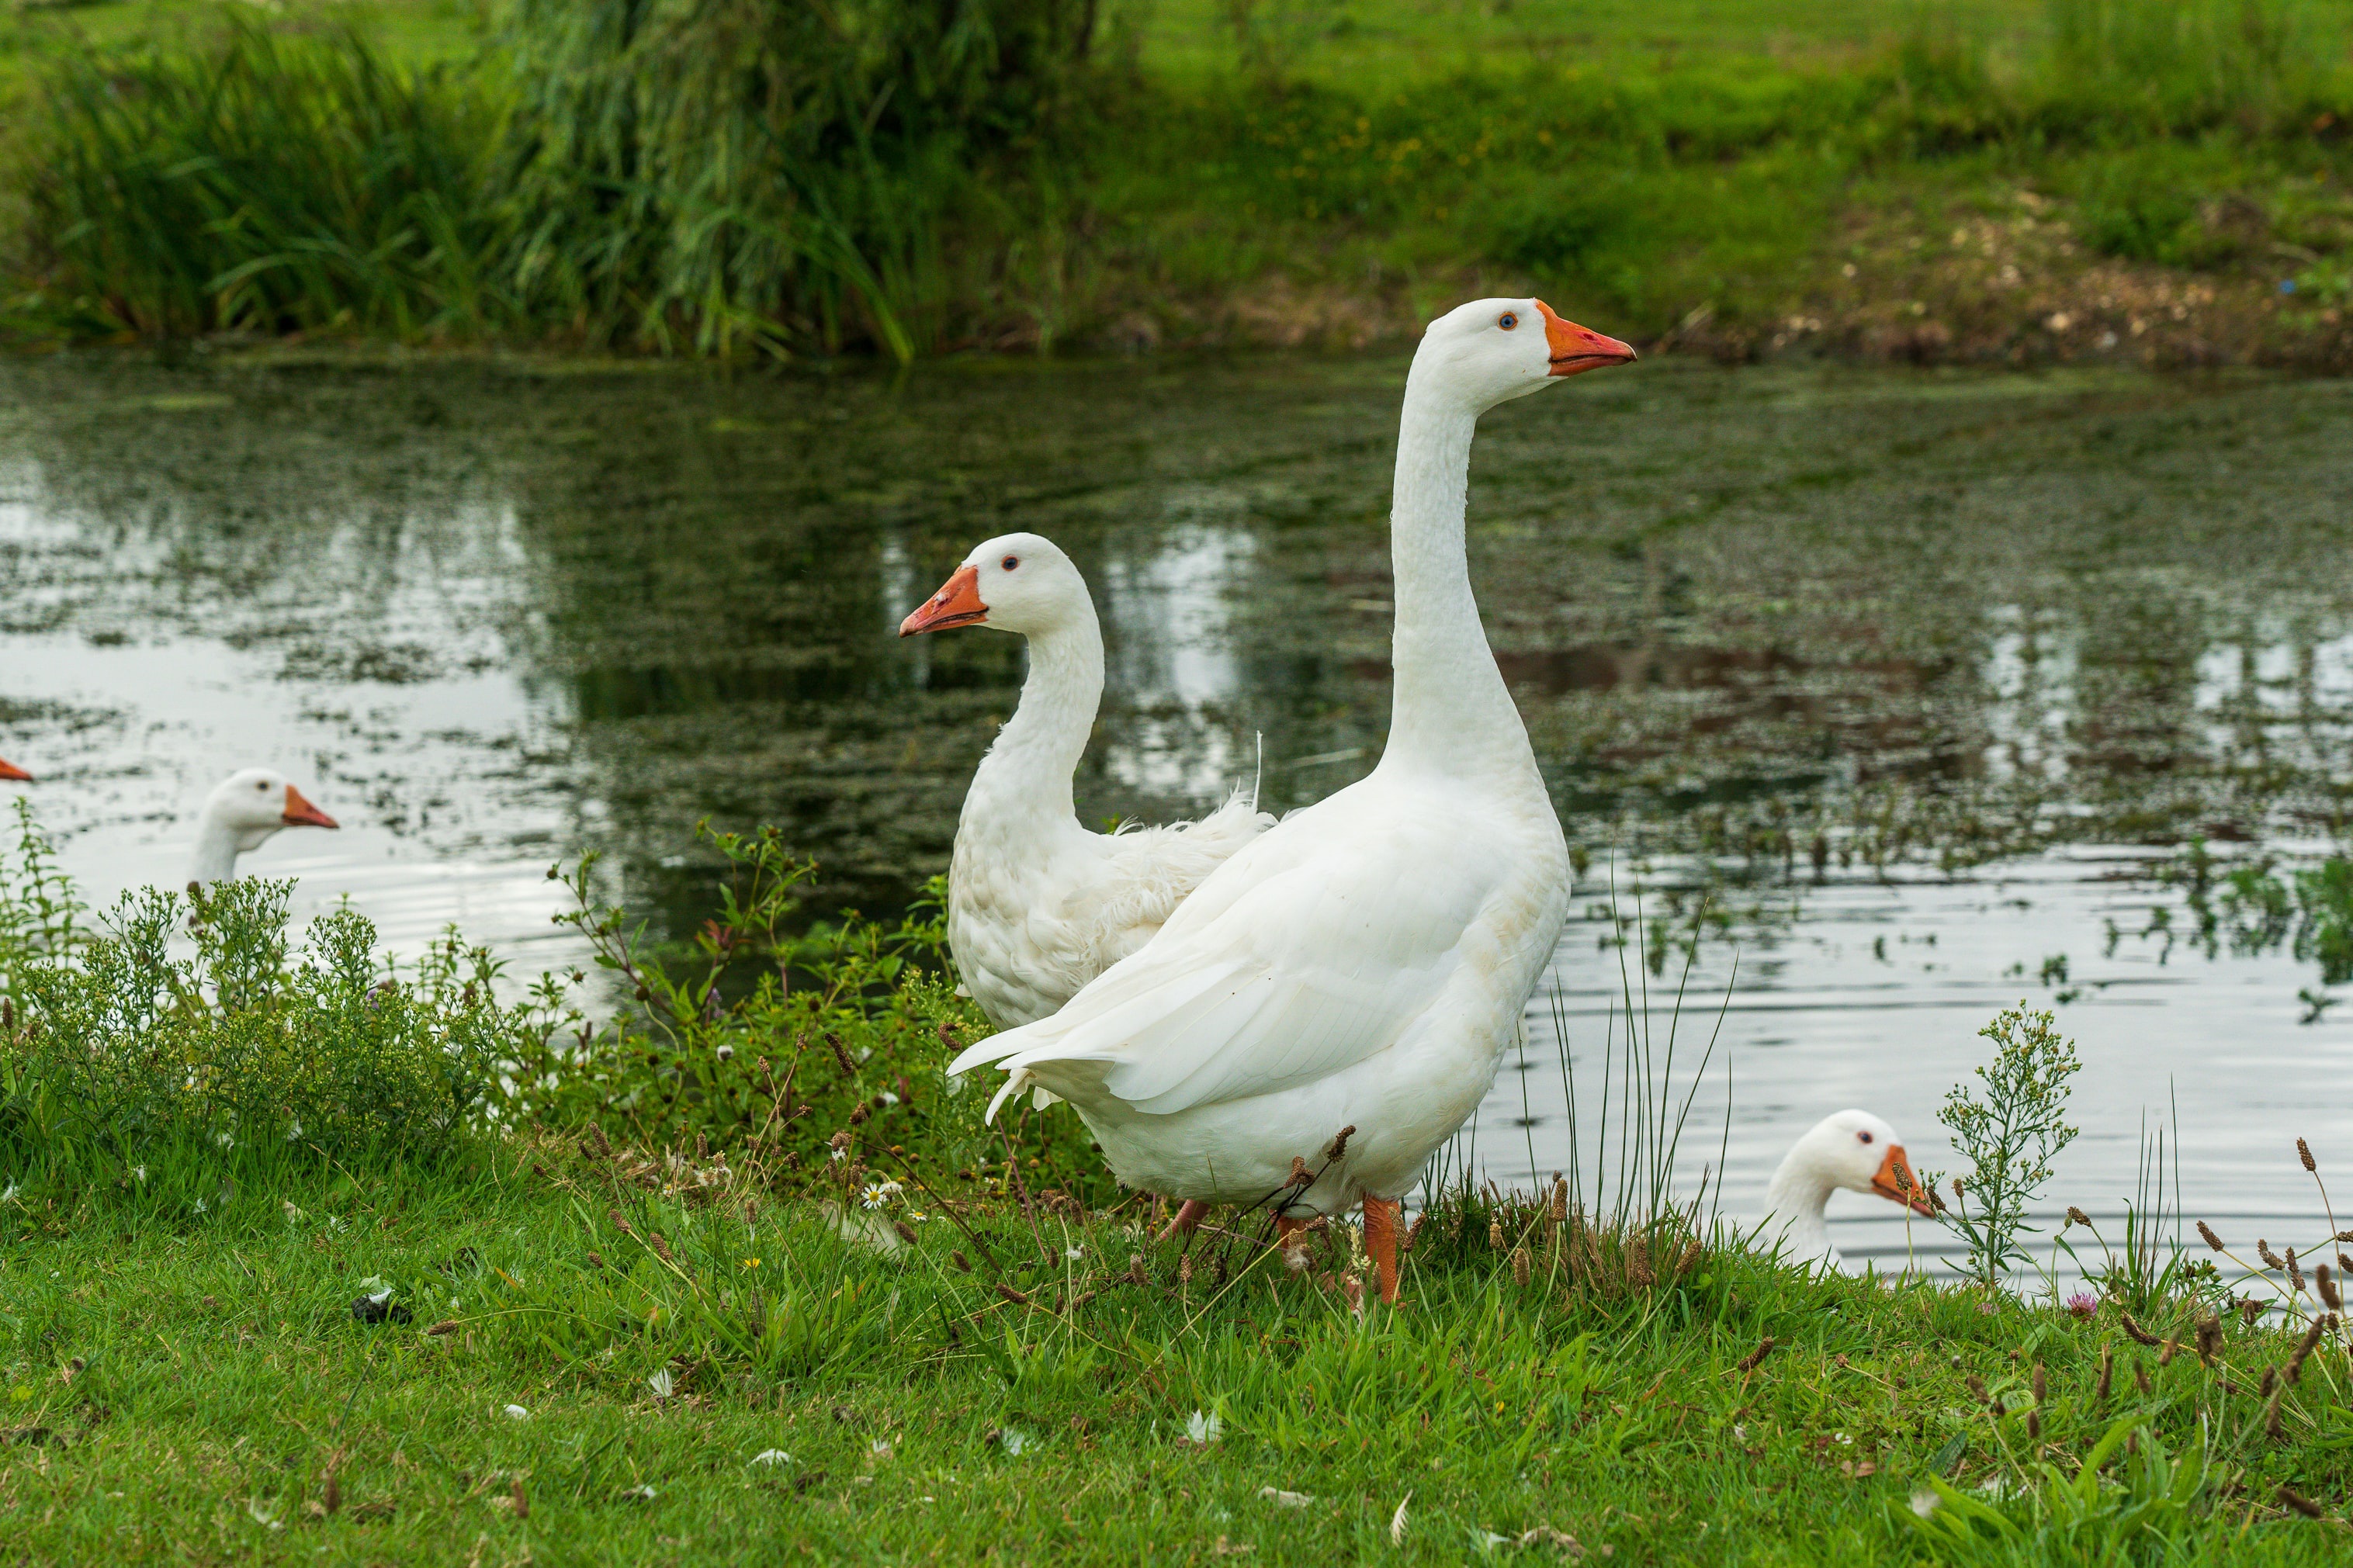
x,y
1304,954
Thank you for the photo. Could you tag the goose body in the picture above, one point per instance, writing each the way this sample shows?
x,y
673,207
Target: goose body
x,y
1365,963
243,810
1851,1151
1038,905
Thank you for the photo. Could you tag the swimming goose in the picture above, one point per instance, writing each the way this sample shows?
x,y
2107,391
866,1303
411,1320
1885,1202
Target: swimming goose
x,y
1038,905
1851,1150
1363,963
244,809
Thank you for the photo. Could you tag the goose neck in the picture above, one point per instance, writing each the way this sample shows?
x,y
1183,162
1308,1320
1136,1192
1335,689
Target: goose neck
x,y
1030,767
218,846
1795,1199
1450,709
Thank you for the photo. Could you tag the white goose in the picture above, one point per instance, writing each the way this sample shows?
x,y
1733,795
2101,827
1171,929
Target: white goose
x,y
1038,905
1853,1150
1363,963
243,810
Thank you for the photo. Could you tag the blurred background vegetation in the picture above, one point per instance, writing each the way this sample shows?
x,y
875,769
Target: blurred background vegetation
x,y
913,176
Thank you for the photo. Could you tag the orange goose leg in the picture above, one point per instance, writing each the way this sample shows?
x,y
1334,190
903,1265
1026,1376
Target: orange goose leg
x,y
1188,1215
1381,1225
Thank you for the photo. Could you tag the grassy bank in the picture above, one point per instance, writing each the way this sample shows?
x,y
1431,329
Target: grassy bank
x,y
618,1360
305,1254
2082,178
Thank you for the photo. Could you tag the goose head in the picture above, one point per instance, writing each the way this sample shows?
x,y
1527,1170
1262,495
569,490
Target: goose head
x,y
1492,351
1020,582
1855,1151
243,810
11,770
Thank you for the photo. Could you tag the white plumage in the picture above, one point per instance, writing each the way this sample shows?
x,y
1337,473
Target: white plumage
x,y
243,810
1365,963
1038,905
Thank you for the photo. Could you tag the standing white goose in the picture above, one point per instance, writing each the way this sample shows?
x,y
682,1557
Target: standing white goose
x,y
1363,963
1038,905
1853,1150
243,810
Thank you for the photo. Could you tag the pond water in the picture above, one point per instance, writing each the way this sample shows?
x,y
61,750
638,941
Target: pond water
x,y
1904,692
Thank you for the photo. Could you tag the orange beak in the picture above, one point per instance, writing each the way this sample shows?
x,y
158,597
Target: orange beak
x,y
1575,349
11,770
957,603
300,812
1894,1182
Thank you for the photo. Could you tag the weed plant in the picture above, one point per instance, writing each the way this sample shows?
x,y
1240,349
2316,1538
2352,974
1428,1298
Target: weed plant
x,y
2010,1134
764,1036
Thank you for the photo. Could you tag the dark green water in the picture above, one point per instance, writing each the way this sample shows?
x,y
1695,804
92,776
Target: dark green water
x,y
496,614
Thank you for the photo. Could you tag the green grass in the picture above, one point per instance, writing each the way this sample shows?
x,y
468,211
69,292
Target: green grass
x,y
183,1386
1702,174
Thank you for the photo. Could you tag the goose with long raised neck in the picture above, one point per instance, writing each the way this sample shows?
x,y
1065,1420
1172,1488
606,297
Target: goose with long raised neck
x,y
1849,1151
243,810
1038,905
1363,963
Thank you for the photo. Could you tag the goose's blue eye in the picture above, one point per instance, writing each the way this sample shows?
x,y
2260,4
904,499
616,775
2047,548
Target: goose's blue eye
x,y
1507,320
1010,562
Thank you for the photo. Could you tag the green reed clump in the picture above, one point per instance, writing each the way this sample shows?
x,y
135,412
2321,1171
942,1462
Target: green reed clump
x,y
266,183
249,1048
722,174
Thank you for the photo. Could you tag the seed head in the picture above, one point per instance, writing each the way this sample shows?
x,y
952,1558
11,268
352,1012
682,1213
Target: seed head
x,y
2034,1425
1301,1176
2140,1373
620,1222
841,1056
2208,1232
2107,1372
1755,1357
1495,1234
2263,1250
2209,1337
2304,1152
2304,1347
2294,1275
2249,1311
2036,1382
1339,1145
2077,1216
2290,1498
1520,1266
662,1247
1185,1269
2139,1335
2330,1297
1560,1200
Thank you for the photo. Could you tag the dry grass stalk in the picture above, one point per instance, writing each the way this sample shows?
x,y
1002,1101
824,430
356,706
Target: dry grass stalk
x,y
1638,1265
